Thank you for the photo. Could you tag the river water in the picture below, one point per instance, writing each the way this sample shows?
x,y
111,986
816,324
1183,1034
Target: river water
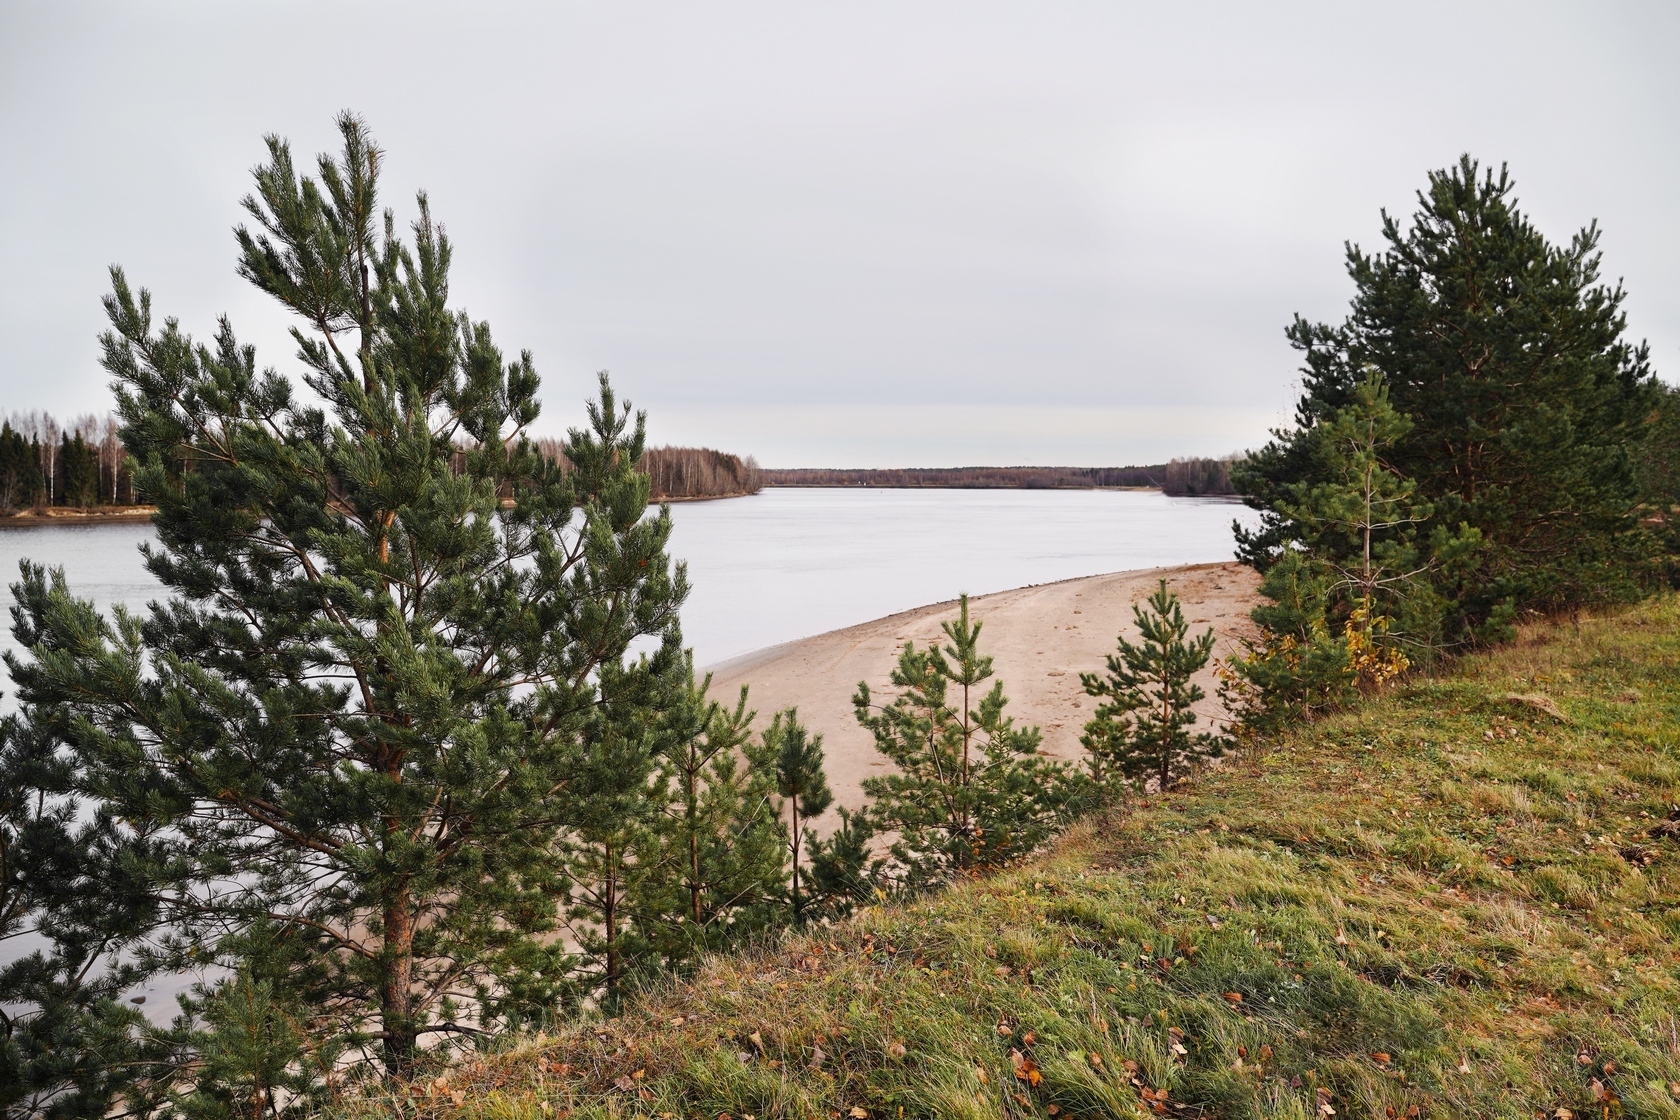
x,y
782,564
787,563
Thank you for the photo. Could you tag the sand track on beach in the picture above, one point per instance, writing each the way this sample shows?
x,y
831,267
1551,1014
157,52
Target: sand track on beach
x,y
1040,639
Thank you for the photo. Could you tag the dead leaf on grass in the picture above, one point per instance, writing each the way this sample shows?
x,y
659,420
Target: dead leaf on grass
x,y
1025,1068
1540,702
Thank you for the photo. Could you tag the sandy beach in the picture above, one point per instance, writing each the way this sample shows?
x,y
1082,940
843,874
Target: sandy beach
x,y
1040,638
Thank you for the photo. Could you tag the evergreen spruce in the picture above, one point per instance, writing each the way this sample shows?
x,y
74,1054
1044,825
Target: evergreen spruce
x,y
390,682
1140,731
969,790
78,472
1506,354
20,471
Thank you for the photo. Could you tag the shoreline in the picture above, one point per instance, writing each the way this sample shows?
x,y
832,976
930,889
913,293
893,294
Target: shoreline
x,y
1040,637
71,515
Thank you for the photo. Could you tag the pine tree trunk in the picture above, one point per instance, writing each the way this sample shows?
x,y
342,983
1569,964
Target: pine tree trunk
x,y
1166,735
609,916
693,850
795,804
396,996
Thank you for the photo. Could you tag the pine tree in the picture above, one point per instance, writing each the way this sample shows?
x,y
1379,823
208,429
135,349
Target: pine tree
x,y
1658,467
793,758
1360,523
969,790
392,674
1140,730
844,869
1507,355
721,823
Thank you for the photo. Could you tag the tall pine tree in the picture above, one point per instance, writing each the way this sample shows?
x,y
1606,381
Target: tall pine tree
x,y
391,675
1507,355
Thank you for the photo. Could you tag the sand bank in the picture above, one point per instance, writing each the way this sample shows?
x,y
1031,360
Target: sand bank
x,y
1040,638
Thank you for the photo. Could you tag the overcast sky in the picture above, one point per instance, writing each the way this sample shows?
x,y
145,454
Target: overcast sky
x,y
838,234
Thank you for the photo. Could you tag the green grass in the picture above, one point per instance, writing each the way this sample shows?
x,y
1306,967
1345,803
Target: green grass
x,y
1444,901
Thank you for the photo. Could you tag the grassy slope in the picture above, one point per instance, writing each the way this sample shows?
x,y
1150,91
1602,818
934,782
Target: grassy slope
x,y
1443,901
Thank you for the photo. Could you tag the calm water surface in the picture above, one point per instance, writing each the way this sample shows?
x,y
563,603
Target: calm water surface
x,y
788,563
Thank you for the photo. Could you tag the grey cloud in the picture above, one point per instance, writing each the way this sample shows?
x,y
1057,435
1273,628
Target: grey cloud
x,y
839,234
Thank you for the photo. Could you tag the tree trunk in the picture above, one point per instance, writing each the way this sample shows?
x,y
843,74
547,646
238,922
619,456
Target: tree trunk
x,y
609,916
794,803
396,996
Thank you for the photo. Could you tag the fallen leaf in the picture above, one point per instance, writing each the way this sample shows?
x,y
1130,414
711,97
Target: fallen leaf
x,y
985,1078
458,1097
1463,1064
1381,1058
1234,997
1025,1068
1028,1039
1004,1030
896,1048
624,1084
817,1057
858,1113
1096,1061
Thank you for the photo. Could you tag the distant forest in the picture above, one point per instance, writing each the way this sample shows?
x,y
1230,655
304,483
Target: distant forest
x,y
679,473
1179,477
80,463
44,462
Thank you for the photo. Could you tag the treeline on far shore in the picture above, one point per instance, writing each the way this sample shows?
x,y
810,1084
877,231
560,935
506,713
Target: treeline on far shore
x,y
80,464
46,462
1180,476
679,473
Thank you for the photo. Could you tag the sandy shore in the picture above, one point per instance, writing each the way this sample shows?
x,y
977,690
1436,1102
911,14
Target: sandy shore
x,y
1041,638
